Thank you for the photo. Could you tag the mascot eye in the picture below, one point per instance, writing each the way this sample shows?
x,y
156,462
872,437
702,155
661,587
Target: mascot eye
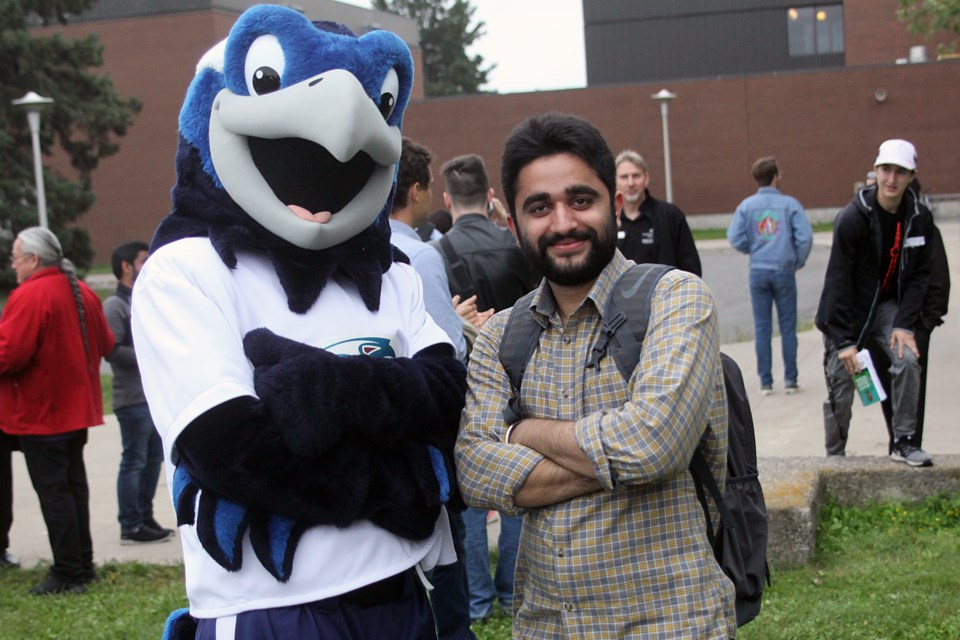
x,y
265,80
389,91
264,65
387,102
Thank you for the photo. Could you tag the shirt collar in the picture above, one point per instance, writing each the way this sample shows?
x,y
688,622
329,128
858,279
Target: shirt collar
x,y
472,218
123,291
544,305
403,229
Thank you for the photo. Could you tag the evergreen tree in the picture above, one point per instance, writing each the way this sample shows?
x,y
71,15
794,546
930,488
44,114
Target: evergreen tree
x,y
445,34
82,124
930,18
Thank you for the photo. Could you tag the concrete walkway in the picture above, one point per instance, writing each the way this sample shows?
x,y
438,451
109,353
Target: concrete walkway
x,y
789,443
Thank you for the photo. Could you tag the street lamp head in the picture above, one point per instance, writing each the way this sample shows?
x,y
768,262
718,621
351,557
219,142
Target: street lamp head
x,y
31,101
34,103
663,95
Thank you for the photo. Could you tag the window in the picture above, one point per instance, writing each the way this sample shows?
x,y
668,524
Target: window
x,y
815,30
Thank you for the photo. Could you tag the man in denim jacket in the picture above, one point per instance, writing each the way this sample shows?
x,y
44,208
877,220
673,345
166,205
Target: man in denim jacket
x,y
773,228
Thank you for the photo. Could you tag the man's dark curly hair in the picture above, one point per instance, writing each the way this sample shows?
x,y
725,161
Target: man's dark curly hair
x,y
414,169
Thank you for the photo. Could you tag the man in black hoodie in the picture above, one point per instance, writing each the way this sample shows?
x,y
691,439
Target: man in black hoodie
x,y
873,291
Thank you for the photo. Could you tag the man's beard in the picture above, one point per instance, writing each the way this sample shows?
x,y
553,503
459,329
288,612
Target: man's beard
x,y
602,248
632,197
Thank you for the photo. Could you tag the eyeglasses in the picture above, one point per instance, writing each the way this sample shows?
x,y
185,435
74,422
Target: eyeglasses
x,y
14,259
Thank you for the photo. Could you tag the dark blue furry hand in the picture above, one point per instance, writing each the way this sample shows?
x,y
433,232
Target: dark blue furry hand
x,y
317,398
291,378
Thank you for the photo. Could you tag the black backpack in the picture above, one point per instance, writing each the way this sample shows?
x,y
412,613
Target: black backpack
x,y
740,539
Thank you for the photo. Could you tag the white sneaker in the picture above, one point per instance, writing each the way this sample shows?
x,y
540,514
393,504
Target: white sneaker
x,y
791,387
766,389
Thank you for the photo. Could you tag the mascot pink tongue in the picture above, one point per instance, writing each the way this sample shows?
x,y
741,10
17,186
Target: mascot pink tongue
x,y
272,339
305,214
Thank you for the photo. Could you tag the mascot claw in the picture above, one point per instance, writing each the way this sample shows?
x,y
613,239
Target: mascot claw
x,y
221,525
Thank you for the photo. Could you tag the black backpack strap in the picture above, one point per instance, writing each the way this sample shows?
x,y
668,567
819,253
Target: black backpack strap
x,y
461,283
703,479
630,303
520,339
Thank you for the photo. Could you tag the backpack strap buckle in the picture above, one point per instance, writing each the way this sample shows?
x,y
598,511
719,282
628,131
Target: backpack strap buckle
x,y
607,331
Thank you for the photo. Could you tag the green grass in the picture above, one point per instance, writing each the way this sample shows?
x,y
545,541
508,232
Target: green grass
x,y
823,227
106,388
889,571
721,234
100,268
130,601
709,234
885,572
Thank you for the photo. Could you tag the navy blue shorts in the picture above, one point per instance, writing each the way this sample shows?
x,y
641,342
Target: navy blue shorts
x,y
395,607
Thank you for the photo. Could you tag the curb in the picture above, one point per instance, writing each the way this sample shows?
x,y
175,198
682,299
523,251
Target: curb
x,y
795,489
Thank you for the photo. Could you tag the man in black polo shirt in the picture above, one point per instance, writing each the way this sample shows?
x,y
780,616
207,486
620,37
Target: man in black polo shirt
x,y
651,230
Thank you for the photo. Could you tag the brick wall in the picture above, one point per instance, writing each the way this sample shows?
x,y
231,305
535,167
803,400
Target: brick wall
x,y
873,35
823,126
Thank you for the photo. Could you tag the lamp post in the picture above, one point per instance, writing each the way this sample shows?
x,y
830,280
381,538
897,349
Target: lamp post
x,y
663,97
33,103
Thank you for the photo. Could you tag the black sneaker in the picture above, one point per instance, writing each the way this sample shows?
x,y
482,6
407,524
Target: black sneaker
x,y
53,586
153,524
9,561
903,451
143,535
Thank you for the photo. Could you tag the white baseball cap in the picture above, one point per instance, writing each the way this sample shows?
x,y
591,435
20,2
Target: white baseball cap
x,y
898,152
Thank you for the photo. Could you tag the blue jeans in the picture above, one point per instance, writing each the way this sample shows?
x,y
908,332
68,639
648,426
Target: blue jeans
x,y
769,287
484,588
139,465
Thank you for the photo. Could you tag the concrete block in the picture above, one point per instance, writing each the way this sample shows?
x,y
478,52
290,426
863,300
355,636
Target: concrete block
x,y
795,489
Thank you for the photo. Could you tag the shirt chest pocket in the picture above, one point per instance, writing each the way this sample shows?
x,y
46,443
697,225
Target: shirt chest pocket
x,y
565,389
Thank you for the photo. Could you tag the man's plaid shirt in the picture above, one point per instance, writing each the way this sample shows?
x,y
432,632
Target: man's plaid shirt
x,y
632,560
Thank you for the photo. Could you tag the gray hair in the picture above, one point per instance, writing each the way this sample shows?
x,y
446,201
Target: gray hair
x,y
45,245
629,155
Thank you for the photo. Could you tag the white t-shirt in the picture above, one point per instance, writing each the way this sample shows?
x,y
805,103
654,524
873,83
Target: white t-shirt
x,y
190,314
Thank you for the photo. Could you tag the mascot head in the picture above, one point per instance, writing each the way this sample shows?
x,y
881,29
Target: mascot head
x,y
290,139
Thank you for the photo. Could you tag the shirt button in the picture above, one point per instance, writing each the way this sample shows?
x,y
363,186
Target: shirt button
x,y
567,606
560,553
566,394
566,340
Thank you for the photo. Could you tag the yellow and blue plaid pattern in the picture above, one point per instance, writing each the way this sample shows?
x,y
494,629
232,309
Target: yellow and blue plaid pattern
x,y
631,561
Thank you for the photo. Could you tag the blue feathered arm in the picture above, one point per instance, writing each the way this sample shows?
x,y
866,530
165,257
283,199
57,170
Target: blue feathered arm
x,y
318,398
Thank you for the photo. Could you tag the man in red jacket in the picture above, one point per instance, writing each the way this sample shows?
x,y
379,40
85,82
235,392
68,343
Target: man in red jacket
x,y
52,337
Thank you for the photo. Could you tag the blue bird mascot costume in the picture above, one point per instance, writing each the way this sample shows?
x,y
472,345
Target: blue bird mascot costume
x,y
308,404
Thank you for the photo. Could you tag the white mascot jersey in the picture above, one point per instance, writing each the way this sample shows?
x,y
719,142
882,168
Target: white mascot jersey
x,y
190,314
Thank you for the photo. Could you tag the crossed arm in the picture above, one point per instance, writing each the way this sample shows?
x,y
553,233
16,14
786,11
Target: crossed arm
x,y
565,471
549,461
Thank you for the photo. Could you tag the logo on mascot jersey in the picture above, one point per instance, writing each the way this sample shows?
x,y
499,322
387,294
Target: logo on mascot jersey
x,y
371,347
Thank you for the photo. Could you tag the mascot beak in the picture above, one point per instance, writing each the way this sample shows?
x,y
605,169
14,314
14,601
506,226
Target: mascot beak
x,y
313,163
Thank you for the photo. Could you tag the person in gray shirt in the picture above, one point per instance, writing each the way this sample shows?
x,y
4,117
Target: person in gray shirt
x,y
142,448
